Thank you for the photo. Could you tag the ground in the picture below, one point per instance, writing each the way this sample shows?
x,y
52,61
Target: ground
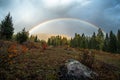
x,y
44,65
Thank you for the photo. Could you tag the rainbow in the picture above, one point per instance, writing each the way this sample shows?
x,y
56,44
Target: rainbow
x,y
58,19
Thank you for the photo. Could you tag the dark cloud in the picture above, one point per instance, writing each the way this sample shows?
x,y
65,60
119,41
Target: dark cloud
x,y
28,13
4,3
103,13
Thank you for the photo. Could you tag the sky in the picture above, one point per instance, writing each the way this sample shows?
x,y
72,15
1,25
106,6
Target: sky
x,y
28,13
65,26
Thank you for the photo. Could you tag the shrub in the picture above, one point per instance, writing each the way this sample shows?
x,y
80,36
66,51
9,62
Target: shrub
x,y
88,58
22,36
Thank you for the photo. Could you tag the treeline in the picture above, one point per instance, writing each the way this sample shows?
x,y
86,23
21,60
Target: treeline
x,y
7,32
58,41
109,42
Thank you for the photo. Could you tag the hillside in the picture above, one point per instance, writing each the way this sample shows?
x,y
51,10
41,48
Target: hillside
x,y
44,65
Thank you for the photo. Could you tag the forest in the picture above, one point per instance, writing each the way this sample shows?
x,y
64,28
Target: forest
x,y
109,42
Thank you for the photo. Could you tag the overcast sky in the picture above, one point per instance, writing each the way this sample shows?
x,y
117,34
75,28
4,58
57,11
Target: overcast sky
x,y
28,13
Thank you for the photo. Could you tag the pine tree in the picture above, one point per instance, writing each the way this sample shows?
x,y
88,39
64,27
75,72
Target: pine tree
x,y
76,40
112,42
49,41
31,38
58,40
71,42
118,41
64,41
83,41
93,44
100,39
106,43
6,28
36,39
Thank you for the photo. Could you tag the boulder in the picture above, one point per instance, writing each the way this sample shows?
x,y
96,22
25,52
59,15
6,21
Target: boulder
x,y
74,70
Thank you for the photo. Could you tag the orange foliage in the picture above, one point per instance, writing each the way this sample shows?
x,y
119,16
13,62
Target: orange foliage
x,y
12,55
12,49
24,49
44,46
9,51
15,50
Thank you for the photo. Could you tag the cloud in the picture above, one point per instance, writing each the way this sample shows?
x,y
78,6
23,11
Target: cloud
x,y
28,13
5,4
97,12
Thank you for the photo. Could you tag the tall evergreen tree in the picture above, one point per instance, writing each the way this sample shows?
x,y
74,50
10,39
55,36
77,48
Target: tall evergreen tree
x,y
6,28
36,39
118,41
93,44
58,40
49,41
100,39
71,42
112,42
106,43
83,41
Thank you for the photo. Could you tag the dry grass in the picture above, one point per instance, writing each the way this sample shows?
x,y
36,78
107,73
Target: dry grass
x,y
113,59
44,65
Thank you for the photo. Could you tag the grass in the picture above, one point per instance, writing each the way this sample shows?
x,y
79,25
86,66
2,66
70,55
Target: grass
x,y
44,65
113,59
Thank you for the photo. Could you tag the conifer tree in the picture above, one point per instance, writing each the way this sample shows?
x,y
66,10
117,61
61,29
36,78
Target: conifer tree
x,y
100,39
106,43
36,39
83,41
64,41
22,36
118,41
49,41
6,28
112,42
93,44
